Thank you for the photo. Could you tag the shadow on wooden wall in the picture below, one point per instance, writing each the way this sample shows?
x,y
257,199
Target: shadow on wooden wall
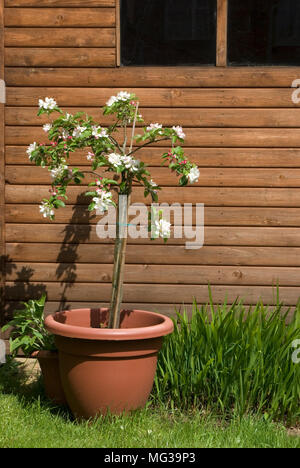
x,y
68,256
23,287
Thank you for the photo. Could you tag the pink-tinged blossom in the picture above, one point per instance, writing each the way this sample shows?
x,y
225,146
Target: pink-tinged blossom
x,y
99,132
154,126
47,127
90,156
179,132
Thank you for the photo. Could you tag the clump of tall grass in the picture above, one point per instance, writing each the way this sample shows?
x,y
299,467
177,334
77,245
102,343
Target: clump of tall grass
x,y
232,360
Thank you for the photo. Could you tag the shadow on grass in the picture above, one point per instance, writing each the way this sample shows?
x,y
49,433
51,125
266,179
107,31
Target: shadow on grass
x,y
28,388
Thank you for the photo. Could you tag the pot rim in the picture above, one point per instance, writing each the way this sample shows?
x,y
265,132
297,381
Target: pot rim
x,y
165,327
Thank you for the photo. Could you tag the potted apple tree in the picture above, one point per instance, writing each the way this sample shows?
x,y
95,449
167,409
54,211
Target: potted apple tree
x,y
108,356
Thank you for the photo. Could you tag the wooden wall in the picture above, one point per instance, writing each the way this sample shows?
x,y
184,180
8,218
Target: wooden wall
x,y
243,131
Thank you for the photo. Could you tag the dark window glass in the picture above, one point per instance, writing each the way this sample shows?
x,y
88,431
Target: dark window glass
x,y
264,32
168,32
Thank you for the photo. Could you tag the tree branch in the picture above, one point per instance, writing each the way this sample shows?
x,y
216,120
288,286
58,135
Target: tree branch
x,y
148,143
115,143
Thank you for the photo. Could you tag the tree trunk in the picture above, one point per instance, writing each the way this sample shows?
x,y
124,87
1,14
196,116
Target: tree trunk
x,y
119,261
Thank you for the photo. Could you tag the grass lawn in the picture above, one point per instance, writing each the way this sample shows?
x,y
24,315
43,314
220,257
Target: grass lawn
x,y
29,420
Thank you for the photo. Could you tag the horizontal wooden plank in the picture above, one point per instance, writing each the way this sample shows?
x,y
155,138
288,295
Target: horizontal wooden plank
x,y
205,137
214,235
214,216
55,57
65,17
233,118
172,293
154,274
205,157
216,196
59,37
58,3
156,254
156,77
166,309
157,97
213,177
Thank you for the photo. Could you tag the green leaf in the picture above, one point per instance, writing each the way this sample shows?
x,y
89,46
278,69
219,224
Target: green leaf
x,y
91,206
59,203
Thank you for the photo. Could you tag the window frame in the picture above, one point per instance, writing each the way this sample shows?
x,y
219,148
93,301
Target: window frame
x,y
222,22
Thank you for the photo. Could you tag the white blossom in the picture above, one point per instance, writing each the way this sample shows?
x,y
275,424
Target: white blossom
x,y
194,175
58,172
46,210
115,159
64,134
154,126
48,103
78,131
161,228
47,127
111,101
103,201
123,96
179,132
130,163
32,147
99,132
152,183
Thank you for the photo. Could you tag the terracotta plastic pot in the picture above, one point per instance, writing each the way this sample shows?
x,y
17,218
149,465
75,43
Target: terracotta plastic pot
x,y
48,361
107,369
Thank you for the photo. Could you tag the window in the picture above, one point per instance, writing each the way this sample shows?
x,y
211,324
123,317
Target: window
x,y
209,32
264,32
168,32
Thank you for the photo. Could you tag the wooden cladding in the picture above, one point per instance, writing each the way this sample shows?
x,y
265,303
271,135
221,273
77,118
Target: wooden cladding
x,y
158,77
242,130
66,37
206,137
59,3
60,17
2,165
57,37
160,97
52,57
